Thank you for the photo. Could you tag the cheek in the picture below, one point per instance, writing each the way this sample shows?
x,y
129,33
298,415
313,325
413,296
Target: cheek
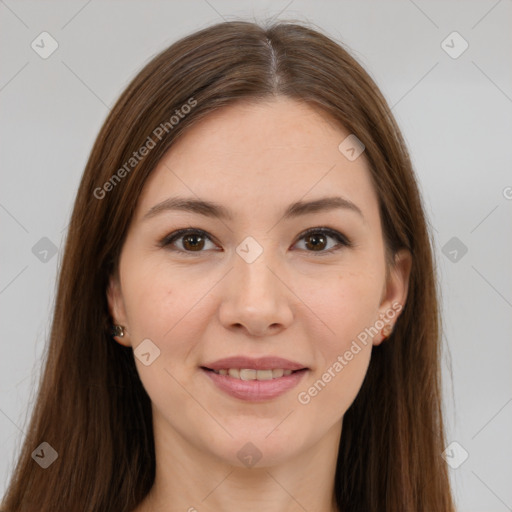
x,y
347,304
151,307
336,386
159,297
165,309
336,381
172,308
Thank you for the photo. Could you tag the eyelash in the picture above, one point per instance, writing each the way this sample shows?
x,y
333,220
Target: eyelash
x,y
342,240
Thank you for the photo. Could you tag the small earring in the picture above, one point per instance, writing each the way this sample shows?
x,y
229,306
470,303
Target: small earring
x,y
386,331
118,330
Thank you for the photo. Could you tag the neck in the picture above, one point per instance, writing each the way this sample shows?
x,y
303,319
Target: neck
x,y
188,479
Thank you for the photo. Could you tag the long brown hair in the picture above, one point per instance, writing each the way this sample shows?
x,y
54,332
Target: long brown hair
x,y
91,406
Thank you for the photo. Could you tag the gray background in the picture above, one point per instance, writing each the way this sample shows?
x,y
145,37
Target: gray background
x,y
455,114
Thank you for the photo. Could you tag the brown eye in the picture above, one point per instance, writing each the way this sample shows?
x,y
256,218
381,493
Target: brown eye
x,y
316,241
187,241
319,240
193,242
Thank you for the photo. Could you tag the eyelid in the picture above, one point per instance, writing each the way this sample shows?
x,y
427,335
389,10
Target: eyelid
x,y
343,240
176,235
340,237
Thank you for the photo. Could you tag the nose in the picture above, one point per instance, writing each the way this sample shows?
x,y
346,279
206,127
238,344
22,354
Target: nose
x,y
256,298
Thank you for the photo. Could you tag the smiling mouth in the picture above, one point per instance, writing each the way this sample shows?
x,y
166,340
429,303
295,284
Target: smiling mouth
x,y
252,374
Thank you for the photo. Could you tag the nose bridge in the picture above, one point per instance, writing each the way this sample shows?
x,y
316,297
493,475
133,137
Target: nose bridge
x,y
254,282
255,278
255,298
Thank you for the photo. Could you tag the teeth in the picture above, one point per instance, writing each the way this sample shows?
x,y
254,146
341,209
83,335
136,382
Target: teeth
x,y
264,375
248,374
251,374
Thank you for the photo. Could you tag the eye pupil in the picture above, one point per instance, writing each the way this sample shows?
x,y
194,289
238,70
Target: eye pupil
x,y
316,244
193,245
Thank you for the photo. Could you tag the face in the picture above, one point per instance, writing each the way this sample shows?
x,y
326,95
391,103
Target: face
x,y
251,278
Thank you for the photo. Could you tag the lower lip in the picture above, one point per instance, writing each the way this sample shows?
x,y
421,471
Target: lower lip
x,y
255,390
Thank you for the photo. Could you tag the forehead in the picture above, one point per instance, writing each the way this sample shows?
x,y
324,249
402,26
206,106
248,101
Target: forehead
x,y
261,154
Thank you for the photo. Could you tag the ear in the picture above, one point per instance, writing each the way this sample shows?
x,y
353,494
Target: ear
x,y
395,291
116,308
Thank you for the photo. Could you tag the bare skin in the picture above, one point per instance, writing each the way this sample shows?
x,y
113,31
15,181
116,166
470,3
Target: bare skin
x,y
298,300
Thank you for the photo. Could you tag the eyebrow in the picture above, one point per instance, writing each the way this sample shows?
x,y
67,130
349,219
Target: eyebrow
x,y
218,211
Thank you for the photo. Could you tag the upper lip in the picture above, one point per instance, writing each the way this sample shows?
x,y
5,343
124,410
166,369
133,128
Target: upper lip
x,y
261,363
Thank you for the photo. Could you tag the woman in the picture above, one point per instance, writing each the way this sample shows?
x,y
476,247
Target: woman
x,y
247,311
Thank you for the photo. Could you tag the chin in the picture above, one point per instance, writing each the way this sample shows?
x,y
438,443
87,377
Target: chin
x,y
258,448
